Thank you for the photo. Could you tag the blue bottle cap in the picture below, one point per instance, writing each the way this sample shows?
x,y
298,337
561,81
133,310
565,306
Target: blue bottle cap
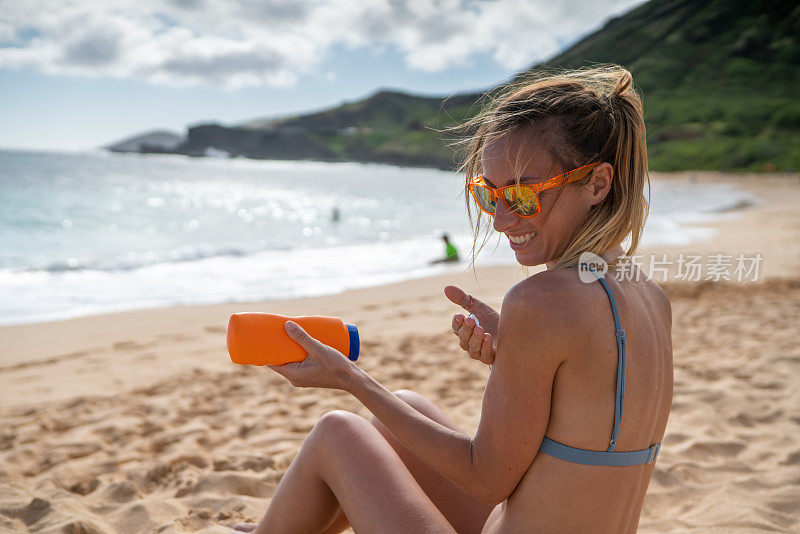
x,y
355,342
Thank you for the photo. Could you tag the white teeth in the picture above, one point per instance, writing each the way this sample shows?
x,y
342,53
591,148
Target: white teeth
x,y
522,239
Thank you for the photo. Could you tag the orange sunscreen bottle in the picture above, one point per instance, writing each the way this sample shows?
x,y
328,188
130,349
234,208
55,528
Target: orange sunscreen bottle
x,y
260,338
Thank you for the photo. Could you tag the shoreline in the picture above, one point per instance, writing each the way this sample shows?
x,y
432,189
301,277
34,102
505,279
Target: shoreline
x,y
717,221
721,222
771,227
146,335
131,336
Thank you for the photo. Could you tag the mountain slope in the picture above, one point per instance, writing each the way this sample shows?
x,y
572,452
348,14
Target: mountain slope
x,y
720,82
388,127
152,141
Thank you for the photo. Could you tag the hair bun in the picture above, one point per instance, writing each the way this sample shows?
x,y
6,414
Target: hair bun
x,y
623,84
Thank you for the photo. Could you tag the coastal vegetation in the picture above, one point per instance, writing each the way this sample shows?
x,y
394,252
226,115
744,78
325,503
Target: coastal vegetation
x,y
719,81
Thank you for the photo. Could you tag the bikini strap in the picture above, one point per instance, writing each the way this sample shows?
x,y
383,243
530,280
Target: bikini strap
x,y
621,364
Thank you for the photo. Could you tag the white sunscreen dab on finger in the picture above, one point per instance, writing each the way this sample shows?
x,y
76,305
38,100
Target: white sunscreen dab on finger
x,y
477,322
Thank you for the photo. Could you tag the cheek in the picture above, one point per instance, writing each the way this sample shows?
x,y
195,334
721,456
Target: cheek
x,y
566,213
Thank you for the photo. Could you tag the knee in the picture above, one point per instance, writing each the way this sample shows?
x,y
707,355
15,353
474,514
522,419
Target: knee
x,y
336,420
337,424
338,431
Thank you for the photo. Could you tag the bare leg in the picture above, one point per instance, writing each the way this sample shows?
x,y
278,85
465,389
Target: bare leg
x,y
466,514
345,462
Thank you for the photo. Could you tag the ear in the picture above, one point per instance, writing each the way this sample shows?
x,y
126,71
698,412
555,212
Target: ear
x,y
600,183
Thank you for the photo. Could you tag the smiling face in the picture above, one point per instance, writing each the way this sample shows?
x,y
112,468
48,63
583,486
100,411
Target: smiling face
x,y
543,238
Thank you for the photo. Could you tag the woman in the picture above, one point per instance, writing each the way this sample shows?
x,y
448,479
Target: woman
x,y
559,163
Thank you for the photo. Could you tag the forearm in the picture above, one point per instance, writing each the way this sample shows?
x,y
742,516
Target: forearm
x,y
446,451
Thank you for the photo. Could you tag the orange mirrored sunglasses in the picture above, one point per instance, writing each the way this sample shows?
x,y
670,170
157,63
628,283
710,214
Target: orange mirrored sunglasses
x,y
522,199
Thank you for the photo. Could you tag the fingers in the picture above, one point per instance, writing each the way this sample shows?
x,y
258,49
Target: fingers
x,y
289,371
473,339
281,371
301,336
458,296
475,342
487,349
458,321
285,369
454,293
464,328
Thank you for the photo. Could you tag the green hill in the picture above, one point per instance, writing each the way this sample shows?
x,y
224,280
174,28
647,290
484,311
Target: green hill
x,y
719,79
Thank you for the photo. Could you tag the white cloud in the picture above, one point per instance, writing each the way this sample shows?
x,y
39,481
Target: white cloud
x,y
237,43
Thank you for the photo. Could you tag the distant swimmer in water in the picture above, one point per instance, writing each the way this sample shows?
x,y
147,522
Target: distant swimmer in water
x,y
450,254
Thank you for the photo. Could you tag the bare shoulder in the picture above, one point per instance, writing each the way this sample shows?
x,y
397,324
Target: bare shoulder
x,y
537,332
660,299
554,295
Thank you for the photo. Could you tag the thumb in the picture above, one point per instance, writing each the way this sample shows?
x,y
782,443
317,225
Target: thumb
x,y
301,336
458,296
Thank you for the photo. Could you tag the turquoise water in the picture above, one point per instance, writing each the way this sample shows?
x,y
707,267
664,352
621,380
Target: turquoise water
x,y
84,233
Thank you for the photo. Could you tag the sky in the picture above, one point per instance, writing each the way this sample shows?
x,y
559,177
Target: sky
x,y
78,74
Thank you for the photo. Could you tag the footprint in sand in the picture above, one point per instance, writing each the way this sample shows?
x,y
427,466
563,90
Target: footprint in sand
x,y
180,337
793,458
732,467
683,472
702,450
769,385
119,492
140,515
250,485
84,487
30,513
787,503
67,451
126,345
243,463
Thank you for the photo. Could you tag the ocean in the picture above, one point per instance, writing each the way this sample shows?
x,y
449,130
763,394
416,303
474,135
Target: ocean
x,y
94,232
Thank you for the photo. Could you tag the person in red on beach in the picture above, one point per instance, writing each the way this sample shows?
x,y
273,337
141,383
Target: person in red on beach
x,y
558,164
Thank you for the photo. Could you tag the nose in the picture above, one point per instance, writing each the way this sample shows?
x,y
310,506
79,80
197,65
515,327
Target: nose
x,y
504,218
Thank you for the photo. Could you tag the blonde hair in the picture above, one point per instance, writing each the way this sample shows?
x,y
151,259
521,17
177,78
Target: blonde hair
x,y
581,116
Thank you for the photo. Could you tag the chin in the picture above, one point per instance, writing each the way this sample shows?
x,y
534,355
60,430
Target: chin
x,y
530,259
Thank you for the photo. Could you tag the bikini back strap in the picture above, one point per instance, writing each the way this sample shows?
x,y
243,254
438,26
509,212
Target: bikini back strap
x,y
621,364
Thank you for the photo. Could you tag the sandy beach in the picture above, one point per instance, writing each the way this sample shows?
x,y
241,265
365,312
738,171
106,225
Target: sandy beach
x,y
138,421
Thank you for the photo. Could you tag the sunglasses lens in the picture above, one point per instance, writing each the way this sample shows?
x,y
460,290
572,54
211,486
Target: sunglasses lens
x,y
523,200
483,196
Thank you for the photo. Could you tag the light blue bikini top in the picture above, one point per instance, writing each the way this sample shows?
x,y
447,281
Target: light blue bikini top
x,y
608,457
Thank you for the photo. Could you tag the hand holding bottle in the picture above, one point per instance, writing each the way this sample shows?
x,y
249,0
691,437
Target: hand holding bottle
x,y
323,367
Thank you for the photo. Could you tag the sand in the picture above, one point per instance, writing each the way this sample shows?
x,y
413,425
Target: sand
x,y
138,422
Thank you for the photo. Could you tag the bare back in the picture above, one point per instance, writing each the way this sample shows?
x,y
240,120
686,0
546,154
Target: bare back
x,y
599,498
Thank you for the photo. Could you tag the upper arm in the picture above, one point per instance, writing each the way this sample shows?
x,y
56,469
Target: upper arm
x,y
668,306
532,342
664,303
